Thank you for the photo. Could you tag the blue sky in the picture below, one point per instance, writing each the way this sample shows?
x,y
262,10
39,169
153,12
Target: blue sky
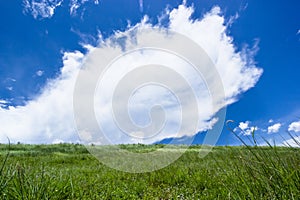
x,y
42,40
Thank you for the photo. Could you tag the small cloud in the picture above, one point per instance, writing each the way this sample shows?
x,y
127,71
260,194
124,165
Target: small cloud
x,y
274,128
298,32
271,121
39,73
244,125
246,129
10,88
295,127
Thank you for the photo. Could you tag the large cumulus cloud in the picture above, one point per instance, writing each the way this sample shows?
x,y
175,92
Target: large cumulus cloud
x,y
49,117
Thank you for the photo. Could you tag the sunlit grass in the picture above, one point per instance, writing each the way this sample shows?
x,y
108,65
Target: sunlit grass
x,y
68,171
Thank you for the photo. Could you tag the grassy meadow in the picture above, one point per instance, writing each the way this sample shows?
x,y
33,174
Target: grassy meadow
x,y
69,171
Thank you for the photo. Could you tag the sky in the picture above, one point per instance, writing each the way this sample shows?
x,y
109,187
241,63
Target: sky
x,y
52,53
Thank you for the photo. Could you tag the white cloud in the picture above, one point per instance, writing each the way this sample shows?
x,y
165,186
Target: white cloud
x,y
246,129
298,32
57,141
49,117
46,8
210,33
295,127
250,130
294,142
244,125
39,73
3,103
41,8
274,128
271,121
76,4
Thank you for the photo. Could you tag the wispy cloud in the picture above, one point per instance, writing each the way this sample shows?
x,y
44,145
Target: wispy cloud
x,y
76,4
49,117
10,88
4,103
274,128
141,3
41,8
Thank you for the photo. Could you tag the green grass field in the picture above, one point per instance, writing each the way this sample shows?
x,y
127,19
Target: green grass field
x,y
68,171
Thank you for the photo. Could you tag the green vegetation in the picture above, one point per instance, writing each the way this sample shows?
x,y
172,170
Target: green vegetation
x,y
68,171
